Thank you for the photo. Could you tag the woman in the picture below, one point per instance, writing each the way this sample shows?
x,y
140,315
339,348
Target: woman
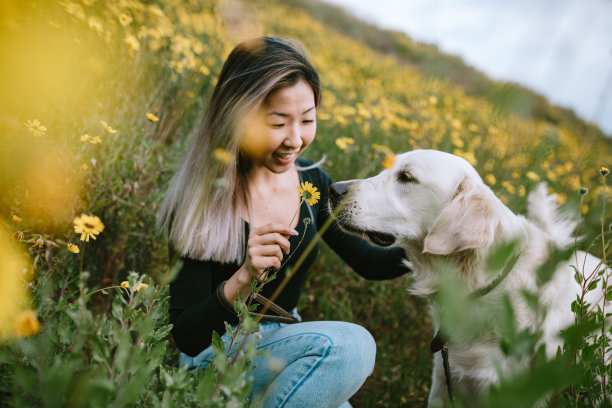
x,y
227,213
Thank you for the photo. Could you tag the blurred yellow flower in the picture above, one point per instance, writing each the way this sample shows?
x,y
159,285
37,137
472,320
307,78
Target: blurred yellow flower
x,y
39,243
125,18
108,128
26,324
35,127
152,117
490,179
388,161
309,193
88,226
223,155
141,286
91,139
95,24
532,175
344,142
604,171
84,166
125,284
132,42
16,218
15,272
73,248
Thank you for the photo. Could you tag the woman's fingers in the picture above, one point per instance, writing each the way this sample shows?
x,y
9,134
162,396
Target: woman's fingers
x,y
272,238
266,246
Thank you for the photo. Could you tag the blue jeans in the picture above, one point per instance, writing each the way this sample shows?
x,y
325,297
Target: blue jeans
x,y
311,364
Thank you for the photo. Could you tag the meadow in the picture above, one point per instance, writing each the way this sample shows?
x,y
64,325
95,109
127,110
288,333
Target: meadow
x,y
97,101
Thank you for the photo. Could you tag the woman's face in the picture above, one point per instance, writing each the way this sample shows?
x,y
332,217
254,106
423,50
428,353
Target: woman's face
x,y
281,130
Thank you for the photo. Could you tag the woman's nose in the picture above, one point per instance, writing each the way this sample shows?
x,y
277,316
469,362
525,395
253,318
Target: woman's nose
x,y
294,137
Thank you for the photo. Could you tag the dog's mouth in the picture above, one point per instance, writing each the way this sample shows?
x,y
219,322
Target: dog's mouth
x,y
378,238
381,238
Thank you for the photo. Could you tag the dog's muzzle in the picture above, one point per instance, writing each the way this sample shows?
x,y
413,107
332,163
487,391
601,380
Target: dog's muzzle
x,y
338,191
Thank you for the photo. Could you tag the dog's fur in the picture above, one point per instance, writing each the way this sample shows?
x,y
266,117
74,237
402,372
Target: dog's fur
x,y
436,207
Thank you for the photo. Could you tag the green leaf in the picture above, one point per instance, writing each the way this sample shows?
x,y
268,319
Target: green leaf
x,y
501,256
217,344
593,285
578,277
206,385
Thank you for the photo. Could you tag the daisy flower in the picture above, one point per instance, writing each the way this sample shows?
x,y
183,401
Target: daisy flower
x,y
88,226
309,193
35,127
108,128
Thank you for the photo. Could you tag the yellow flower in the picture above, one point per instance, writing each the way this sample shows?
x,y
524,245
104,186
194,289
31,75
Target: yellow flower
x,y
309,193
125,284
35,127
132,43
223,155
108,128
84,166
125,18
95,24
16,218
91,139
490,179
152,117
39,243
604,171
26,324
388,161
141,286
344,142
73,248
88,226
532,175
15,273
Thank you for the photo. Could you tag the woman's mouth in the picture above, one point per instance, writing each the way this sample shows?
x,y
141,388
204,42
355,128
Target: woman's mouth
x,y
284,157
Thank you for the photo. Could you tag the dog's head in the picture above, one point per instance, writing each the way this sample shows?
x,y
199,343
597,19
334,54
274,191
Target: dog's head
x,y
429,199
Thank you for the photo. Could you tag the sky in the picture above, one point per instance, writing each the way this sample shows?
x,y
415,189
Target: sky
x,y
562,49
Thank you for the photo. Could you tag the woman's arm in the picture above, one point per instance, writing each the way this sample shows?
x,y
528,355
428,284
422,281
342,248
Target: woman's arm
x,y
195,310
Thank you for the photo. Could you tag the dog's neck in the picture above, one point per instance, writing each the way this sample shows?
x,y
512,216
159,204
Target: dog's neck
x,y
469,266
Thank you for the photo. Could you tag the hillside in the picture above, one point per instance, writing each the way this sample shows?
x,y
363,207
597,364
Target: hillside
x,y
97,102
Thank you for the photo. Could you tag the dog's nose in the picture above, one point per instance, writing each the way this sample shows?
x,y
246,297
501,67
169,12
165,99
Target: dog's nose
x,y
338,190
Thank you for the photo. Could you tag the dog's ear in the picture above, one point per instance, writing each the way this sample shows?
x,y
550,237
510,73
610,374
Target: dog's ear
x,y
466,222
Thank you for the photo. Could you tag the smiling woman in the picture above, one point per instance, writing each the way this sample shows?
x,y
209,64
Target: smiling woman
x,y
229,213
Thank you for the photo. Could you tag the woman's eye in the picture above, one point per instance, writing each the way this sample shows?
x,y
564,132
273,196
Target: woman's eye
x,y
405,177
276,125
308,122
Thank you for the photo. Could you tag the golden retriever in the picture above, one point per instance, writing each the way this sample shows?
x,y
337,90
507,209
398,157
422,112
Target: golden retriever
x,y
436,206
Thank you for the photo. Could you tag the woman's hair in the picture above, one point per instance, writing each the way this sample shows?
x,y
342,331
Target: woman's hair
x,y
202,207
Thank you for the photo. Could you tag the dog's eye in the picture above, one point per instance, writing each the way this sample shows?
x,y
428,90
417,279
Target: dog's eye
x,y
405,177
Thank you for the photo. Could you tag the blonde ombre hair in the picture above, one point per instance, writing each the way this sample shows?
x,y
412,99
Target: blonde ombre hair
x,y
201,212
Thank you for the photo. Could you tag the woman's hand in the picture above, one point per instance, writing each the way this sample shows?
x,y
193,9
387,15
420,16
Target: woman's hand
x,y
265,248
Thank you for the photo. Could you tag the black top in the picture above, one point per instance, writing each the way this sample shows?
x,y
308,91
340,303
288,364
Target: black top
x,y
195,310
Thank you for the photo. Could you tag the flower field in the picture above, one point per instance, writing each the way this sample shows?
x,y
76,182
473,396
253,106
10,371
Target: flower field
x,y
97,101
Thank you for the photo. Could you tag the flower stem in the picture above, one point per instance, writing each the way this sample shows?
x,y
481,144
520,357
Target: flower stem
x,y
296,212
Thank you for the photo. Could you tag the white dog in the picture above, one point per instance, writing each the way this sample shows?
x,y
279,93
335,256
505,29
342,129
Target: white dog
x,y
436,207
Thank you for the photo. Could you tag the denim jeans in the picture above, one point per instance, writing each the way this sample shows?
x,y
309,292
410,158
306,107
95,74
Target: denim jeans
x,y
311,364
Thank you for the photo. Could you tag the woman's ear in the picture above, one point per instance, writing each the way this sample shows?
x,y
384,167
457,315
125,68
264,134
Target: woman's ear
x,y
467,221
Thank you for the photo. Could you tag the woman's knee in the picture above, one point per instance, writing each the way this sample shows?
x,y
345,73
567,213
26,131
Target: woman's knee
x,y
353,348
